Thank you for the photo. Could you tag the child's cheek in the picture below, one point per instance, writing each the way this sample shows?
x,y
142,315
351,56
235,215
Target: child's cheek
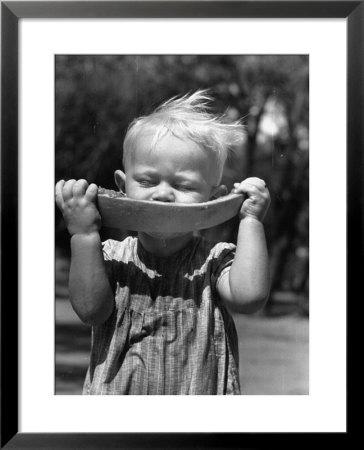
x,y
132,190
188,197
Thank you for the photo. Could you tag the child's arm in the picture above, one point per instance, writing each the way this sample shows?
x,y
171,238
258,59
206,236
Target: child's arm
x,y
245,287
90,291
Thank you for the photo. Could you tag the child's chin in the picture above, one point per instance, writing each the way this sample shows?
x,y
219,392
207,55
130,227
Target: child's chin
x,y
165,236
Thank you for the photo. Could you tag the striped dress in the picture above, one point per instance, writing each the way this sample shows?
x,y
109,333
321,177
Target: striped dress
x,y
169,333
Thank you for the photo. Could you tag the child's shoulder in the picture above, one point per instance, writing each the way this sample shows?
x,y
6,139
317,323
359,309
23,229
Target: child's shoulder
x,y
119,250
214,249
216,246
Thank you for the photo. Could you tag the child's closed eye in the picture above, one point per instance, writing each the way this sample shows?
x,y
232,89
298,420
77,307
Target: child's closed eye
x,y
146,183
184,187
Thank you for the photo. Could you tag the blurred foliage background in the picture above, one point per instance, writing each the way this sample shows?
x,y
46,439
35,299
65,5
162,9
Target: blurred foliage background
x,y
97,96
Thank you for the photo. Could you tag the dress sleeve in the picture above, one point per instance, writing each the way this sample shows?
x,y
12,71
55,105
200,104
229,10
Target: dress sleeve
x,y
223,257
108,253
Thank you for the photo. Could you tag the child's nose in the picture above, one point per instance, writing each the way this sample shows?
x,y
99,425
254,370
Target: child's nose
x,y
163,193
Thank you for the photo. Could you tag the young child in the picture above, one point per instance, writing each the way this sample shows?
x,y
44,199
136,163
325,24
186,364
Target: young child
x,y
157,302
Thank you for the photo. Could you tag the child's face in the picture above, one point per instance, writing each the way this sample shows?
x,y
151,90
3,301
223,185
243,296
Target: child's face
x,y
175,170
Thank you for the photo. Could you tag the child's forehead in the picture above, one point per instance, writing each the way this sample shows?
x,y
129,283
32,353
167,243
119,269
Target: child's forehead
x,y
154,140
181,152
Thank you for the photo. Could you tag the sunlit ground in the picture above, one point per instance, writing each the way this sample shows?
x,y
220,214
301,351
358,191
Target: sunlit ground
x,y
273,349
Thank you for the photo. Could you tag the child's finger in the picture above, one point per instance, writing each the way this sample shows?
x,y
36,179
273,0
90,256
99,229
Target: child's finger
x,y
91,192
79,188
67,190
59,196
250,186
246,188
257,182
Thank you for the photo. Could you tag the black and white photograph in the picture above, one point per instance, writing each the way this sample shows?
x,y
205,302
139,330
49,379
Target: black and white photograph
x,y
182,224
181,201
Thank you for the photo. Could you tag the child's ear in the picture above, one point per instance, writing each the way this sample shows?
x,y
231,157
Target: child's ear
x,y
218,191
119,177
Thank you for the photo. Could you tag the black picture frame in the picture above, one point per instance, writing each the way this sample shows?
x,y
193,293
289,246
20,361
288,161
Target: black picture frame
x,y
11,12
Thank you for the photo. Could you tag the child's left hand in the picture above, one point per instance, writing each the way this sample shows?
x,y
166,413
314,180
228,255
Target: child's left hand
x,y
258,201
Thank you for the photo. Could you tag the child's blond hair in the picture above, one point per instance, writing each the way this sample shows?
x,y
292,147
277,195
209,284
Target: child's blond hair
x,y
190,117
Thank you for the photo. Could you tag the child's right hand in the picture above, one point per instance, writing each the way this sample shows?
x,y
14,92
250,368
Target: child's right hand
x,y
77,201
